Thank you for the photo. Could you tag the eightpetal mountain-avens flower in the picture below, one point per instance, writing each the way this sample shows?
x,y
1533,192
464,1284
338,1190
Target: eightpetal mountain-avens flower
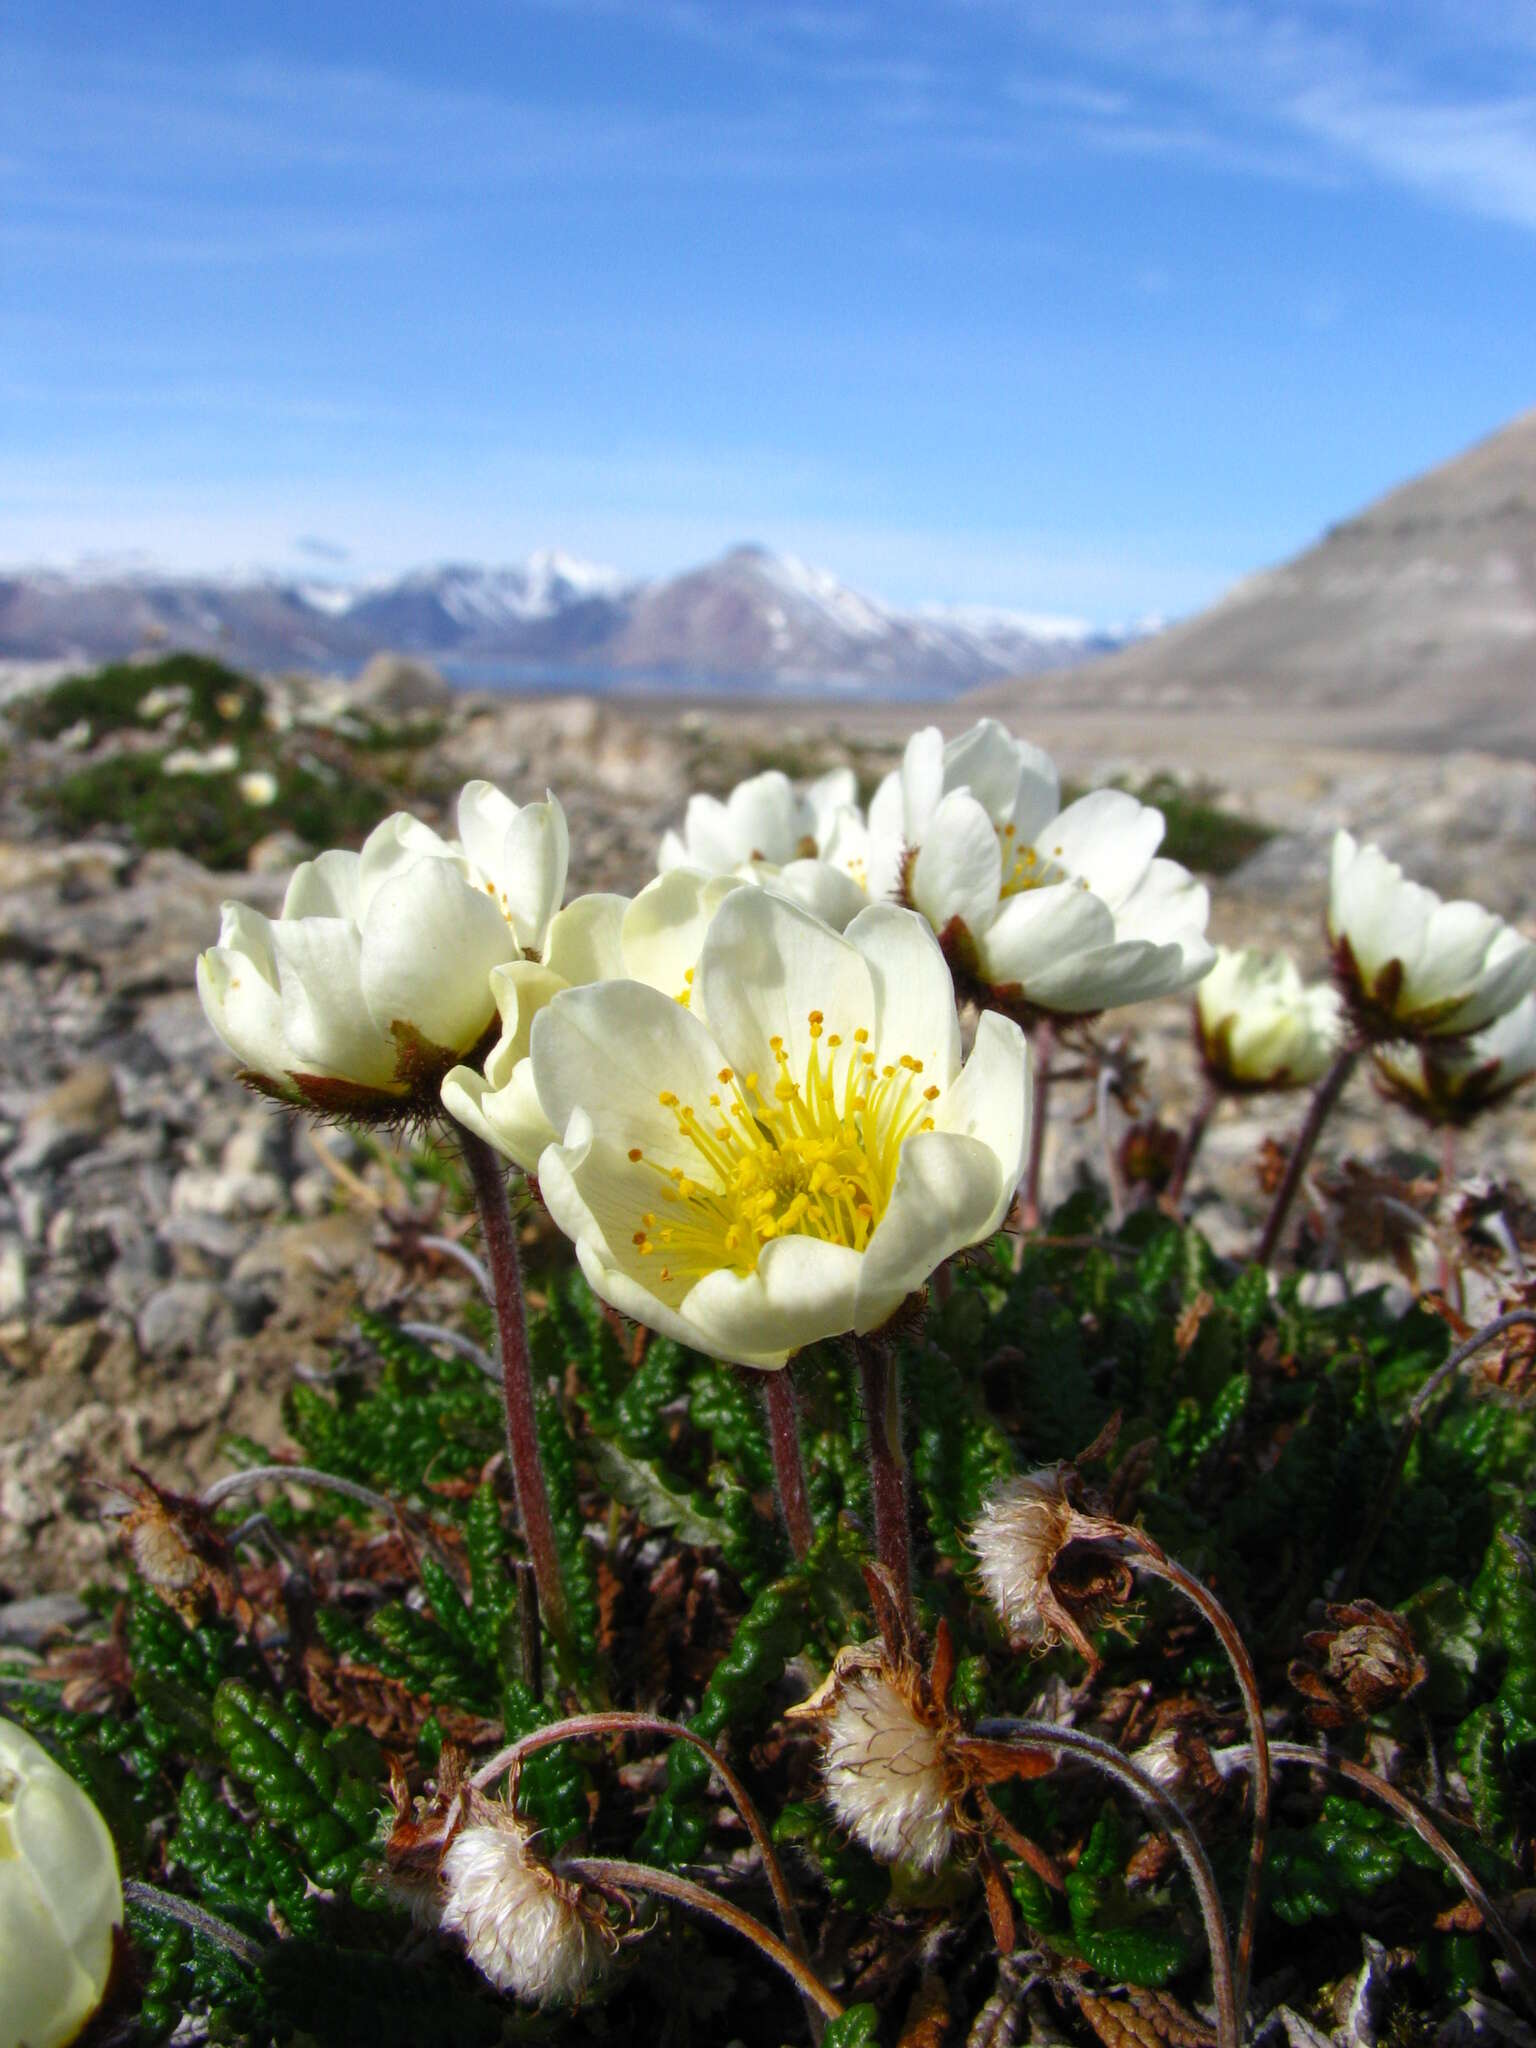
x,y
1261,1026
790,1156
375,979
1064,911
1410,965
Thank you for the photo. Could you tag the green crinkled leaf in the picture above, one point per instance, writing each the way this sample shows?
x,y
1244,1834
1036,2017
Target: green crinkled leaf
x,y
641,1484
858,2027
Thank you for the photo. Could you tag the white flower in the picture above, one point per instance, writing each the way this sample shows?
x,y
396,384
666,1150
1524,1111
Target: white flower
x,y
258,787
1453,1083
59,1898
376,977
1414,966
1066,911
792,1156
888,1773
655,939
523,1926
771,832
767,818
1261,1026
222,759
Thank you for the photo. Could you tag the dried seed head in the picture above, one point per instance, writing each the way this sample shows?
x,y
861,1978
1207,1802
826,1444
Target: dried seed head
x,y
528,1930
1024,1526
888,1769
1365,1660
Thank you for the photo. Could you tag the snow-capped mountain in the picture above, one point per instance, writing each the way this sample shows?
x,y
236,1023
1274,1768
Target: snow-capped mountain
x,y
751,620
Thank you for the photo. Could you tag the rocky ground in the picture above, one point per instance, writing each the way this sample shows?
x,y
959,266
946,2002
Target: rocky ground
x,y
172,1251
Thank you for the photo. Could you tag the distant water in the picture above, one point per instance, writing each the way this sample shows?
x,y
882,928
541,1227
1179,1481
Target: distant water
x,y
538,679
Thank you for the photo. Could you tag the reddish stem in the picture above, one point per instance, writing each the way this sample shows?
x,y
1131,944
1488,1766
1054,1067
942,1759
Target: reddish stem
x,y
1329,1089
880,1383
788,1463
490,1182
1194,1138
1043,1046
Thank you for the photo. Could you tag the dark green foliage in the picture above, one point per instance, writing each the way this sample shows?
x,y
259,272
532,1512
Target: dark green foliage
x,y
859,2027
1255,1436
331,788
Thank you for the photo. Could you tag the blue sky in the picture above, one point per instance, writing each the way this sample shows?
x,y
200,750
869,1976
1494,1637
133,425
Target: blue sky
x,y
1086,306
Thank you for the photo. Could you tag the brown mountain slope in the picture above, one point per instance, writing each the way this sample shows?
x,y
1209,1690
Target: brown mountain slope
x,y
1412,623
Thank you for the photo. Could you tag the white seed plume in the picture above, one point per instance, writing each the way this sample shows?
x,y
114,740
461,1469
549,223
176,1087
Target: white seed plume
x,y
1023,1528
885,1773
523,1927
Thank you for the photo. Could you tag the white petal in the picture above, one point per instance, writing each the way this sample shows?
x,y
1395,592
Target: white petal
x,y
1034,931
535,857
237,981
1129,971
509,1117
767,820
663,929
992,1099
802,1291
826,891
429,941
673,853
485,816
324,887
949,1192
583,941
1457,937
611,1049
914,993
710,835
765,967
1106,839
887,810
390,848
519,989
1168,906
922,784
325,1021
959,866
837,790
1009,778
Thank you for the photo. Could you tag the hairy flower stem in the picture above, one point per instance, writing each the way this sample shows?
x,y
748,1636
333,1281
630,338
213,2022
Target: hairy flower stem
x,y
490,1183
788,1463
1103,1756
1042,1046
1193,1139
1155,1561
150,1899
879,1380
578,1727
1328,1091
611,1873
1413,1422
1413,1815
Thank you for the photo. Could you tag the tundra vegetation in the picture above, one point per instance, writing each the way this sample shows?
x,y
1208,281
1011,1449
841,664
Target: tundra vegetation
x,y
812,1588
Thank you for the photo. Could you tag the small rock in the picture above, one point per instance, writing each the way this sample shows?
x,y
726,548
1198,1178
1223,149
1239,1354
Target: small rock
x,y
68,1119
32,1623
13,1277
186,1317
397,685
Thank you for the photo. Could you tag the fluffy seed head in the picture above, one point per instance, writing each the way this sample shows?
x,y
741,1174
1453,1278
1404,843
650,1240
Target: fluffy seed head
x,y
1023,1528
526,1929
886,1771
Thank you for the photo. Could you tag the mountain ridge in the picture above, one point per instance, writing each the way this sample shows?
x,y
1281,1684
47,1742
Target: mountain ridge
x,y
751,619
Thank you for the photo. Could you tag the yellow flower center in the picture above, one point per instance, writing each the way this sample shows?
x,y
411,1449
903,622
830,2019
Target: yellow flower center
x,y
1025,866
813,1156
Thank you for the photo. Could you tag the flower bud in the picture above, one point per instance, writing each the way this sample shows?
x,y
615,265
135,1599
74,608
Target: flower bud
x,y
530,1931
59,1898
